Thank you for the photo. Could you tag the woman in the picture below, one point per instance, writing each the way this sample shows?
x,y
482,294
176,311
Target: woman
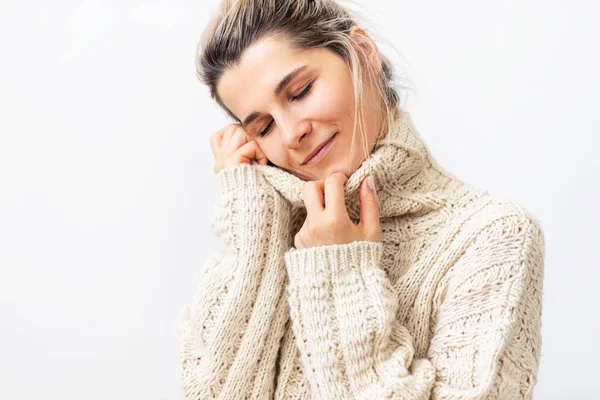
x,y
355,266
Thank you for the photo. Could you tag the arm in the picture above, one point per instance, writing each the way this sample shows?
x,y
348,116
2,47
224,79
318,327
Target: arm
x,y
343,309
229,333
487,338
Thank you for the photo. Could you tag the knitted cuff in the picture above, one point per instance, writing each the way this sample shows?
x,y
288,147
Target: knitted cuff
x,y
239,179
246,206
316,264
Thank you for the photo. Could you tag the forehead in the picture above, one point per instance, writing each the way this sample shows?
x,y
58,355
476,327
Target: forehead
x,y
250,83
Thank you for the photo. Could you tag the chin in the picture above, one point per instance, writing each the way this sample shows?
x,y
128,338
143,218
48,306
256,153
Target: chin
x,y
337,167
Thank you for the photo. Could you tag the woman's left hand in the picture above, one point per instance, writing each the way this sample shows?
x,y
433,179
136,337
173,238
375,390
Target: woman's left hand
x,y
327,221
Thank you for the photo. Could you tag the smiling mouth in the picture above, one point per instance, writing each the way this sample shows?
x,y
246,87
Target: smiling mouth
x,y
323,150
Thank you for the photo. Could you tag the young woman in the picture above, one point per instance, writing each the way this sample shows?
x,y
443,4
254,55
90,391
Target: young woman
x,y
355,267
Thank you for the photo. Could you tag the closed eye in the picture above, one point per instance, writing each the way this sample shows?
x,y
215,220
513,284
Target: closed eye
x,y
304,92
300,96
266,130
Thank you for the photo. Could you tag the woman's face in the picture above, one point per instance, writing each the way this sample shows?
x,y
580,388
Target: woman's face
x,y
292,101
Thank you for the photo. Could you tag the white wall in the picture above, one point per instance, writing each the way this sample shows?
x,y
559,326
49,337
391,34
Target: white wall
x,y
106,182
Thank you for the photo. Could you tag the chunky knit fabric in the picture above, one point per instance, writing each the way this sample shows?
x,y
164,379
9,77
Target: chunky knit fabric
x,y
446,306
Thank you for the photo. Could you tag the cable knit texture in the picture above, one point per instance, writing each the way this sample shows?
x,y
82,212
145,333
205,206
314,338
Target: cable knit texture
x,y
447,305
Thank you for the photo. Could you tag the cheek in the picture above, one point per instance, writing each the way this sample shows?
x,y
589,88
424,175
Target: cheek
x,y
332,102
273,151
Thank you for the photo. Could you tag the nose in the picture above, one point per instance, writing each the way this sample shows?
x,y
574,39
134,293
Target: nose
x,y
294,130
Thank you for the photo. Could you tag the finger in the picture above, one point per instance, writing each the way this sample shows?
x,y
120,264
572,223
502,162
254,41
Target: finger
x,y
229,131
243,155
260,156
335,199
215,141
313,197
237,140
369,211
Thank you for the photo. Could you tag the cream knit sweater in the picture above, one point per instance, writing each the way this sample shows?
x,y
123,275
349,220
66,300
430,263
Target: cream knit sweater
x,y
446,306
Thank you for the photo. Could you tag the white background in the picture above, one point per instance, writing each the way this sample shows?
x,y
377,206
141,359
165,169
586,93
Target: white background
x,y
107,188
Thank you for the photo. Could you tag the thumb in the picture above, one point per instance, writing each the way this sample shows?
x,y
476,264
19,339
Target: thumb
x,y
260,156
369,209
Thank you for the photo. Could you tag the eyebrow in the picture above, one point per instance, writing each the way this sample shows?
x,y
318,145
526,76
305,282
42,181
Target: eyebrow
x,y
280,86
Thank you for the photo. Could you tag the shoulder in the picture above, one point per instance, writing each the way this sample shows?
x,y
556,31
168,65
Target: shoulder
x,y
483,213
507,218
501,235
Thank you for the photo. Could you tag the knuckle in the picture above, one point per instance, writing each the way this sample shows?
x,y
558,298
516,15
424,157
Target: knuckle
x,y
337,177
226,130
238,129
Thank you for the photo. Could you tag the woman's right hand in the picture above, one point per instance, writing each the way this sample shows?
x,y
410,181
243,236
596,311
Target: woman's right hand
x,y
232,146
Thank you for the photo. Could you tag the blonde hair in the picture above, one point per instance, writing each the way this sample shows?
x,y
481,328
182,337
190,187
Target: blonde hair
x,y
307,24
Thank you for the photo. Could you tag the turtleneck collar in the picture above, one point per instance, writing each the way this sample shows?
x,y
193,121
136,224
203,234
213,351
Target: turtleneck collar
x,y
405,176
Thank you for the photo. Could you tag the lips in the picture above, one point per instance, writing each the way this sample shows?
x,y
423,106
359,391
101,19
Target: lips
x,y
311,155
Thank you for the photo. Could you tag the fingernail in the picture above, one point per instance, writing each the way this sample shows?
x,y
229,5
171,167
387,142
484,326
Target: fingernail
x,y
371,182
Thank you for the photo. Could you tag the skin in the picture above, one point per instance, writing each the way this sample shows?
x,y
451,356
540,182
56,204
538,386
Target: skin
x,y
299,126
316,104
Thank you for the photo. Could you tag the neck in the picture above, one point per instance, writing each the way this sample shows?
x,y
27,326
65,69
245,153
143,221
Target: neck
x,y
407,179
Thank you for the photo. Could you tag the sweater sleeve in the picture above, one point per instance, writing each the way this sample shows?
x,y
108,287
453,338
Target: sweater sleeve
x,y
487,338
229,332
342,307
485,343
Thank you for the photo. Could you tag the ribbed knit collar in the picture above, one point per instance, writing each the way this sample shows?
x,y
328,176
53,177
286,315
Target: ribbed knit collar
x,y
405,176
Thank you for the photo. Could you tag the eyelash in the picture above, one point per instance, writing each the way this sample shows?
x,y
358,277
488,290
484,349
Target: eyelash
x,y
300,96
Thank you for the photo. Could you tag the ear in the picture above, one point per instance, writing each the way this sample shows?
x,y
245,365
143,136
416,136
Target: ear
x,y
369,47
